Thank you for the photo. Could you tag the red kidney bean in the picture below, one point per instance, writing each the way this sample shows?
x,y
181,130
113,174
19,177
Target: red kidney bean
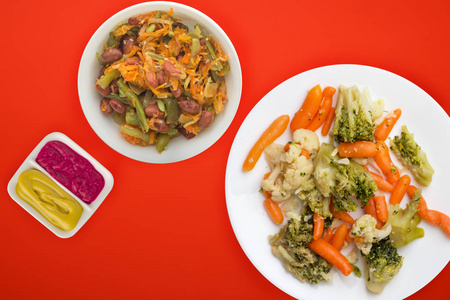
x,y
189,106
171,70
114,87
183,132
111,55
103,92
205,119
128,42
202,42
118,106
150,76
162,77
132,61
161,125
102,71
105,106
133,21
152,110
176,93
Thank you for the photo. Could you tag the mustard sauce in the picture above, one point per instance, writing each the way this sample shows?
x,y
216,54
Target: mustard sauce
x,y
50,200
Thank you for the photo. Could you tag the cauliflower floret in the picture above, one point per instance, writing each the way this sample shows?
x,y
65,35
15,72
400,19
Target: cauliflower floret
x,y
307,139
274,185
365,227
298,168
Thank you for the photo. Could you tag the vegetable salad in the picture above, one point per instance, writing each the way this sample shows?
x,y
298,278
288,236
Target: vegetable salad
x,y
160,78
313,188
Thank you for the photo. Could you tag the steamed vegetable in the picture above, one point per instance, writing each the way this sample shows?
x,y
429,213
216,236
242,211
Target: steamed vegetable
x,y
290,245
381,265
353,117
412,156
404,222
342,179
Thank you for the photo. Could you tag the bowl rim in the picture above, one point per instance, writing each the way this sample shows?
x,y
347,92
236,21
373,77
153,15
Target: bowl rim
x,y
189,148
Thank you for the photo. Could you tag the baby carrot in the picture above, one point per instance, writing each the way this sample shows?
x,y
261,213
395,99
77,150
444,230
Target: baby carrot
x,y
327,125
332,255
381,208
339,237
324,109
308,109
358,149
349,237
433,217
384,129
381,183
384,162
274,211
400,190
274,131
318,226
344,216
371,210
267,193
328,235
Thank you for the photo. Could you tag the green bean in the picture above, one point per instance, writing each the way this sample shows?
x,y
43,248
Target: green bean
x,y
135,132
99,58
106,79
161,142
150,28
131,117
211,51
154,55
111,40
135,102
172,110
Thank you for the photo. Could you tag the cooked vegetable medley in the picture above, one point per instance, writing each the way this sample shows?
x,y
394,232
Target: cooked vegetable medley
x,y
161,78
344,194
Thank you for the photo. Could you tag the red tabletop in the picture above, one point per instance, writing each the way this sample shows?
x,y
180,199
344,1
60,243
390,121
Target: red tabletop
x,y
164,232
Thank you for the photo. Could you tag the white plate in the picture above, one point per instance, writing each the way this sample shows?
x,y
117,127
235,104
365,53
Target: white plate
x,y
423,259
179,148
88,209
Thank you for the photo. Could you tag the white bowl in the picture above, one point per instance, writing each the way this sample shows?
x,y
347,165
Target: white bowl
x,y
88,209
179,148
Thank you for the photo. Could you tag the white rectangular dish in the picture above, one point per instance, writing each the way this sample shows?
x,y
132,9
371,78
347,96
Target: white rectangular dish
x,y
88,209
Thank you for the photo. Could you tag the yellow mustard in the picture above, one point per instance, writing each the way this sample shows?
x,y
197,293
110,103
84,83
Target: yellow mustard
x,y
50,200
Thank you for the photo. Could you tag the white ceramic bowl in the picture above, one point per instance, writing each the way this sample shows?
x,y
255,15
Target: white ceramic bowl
x,y
88,209
179,148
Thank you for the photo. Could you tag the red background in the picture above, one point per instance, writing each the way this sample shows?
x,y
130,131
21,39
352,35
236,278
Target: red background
x,y
164,232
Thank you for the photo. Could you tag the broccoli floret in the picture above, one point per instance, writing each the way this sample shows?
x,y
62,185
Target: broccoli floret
x,y
290,245
342,180
381,265
353,120
314,199
404,222
412,156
